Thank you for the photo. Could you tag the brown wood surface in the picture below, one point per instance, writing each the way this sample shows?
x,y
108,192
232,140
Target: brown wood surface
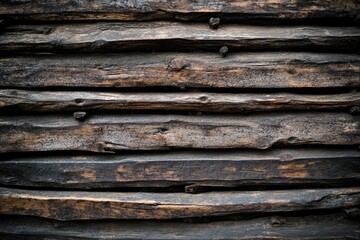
x,y
70,205
244,10
238,70
65,101
174,36
108,133
300,167
329,226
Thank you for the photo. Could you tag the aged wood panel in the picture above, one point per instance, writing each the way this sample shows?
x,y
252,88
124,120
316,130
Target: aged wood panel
x,y
53,101
332,226
320,167
238,70
69,205
183,10
108,133
175,36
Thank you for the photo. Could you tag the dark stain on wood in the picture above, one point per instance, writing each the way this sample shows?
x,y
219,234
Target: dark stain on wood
x,y
289,167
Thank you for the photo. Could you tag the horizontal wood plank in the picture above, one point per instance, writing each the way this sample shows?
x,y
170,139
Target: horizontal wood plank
x,y
315,167
174,36
238,70
68,205
183,10
61,101
108,133
333,226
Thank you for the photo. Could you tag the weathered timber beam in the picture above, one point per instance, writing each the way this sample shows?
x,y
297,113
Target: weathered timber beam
x,y
55,101
331,226
315,167
182,10
238,70
174,36
69,205
108,133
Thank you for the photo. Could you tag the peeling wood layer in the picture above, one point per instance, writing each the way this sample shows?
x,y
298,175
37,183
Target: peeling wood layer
x,y
248,10
108,133
316,167
66,101
209,70
174,36
108,205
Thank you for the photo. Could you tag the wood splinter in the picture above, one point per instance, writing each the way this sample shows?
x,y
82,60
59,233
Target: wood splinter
x,y
79,115
214,23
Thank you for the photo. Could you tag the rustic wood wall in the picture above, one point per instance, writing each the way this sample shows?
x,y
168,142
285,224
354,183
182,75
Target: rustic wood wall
x,y
180,119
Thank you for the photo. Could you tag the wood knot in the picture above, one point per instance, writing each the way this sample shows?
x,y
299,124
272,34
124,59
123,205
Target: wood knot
x,y
203,98
177,64
293,140
224,51
194,188
275,221
214,23
79,115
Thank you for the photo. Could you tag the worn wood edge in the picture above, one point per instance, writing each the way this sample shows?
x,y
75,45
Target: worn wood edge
x,y
69,205
262,11
279,167
329,226
162,36
65,101
109,133
209,70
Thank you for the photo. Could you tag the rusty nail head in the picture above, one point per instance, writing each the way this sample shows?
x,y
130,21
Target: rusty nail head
x,y
224,51
214,23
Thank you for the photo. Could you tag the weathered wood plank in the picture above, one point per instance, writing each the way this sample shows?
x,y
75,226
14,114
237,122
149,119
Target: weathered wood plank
x,y
69,205
174,36
108,133
238,70
183,10
332,226
320,167
55,101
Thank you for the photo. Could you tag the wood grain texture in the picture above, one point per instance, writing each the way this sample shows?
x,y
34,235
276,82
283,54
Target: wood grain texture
x,y
332,226
61,101
108,133
238,70
174,36
69,205
290,167
182,10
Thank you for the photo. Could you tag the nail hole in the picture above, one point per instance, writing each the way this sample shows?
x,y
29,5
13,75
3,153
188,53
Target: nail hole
x,y
79,100
203,98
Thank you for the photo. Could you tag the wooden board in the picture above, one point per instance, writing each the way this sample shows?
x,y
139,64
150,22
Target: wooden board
x,y
183,10
289,167
334,226
175,36
108,133
69,205
238,70
66,101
